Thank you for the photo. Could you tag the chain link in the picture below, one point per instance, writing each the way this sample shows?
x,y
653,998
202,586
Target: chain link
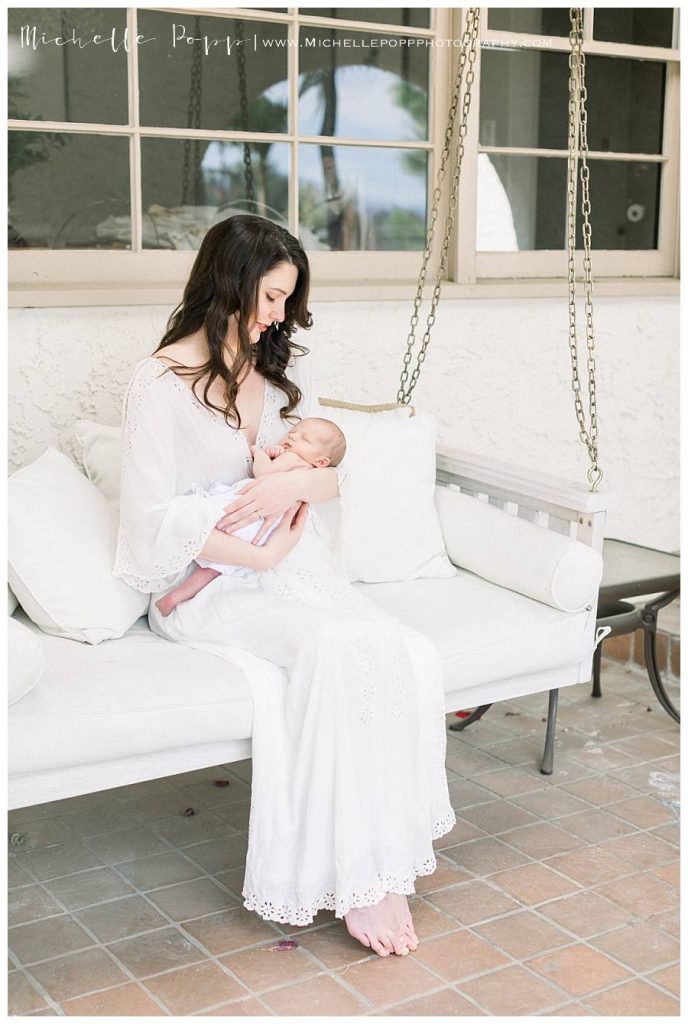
x,y
193,120
243,102
578,150
466,63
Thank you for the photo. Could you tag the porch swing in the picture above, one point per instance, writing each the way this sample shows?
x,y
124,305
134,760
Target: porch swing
x,y
517,619
496,484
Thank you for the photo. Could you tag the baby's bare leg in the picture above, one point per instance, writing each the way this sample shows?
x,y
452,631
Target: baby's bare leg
x,y
199,578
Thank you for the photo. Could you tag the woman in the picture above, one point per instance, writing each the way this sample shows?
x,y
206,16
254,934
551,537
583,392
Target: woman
x,y
349,787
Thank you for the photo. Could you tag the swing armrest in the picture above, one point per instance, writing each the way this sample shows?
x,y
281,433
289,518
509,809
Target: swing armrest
x,y
553,502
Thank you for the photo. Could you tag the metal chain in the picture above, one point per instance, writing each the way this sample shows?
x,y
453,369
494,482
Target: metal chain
x,y
578,149
193,120
467,56
243,103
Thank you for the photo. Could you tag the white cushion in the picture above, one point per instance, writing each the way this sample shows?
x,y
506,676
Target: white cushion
x,y
101,451
25,660
517,554
141,694
62,537
484,633
390,529
12,603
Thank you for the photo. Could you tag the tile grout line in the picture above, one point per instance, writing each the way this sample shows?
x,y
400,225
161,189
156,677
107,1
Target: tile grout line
x,y
97,944
43,993
104,947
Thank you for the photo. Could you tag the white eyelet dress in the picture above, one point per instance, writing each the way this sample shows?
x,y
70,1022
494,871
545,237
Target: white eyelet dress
x,y
349,787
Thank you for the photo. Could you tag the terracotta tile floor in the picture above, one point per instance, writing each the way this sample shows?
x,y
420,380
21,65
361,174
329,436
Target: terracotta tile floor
x,y
553,896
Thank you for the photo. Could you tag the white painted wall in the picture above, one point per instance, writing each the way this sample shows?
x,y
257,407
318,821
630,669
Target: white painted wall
x,y
496,376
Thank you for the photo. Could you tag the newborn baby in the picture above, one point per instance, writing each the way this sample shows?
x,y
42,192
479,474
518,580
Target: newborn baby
x,y
313,444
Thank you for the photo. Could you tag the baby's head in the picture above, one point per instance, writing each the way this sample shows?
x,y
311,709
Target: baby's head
x,y
318,442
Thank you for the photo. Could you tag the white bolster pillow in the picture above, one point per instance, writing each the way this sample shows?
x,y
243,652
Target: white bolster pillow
x,y
517,554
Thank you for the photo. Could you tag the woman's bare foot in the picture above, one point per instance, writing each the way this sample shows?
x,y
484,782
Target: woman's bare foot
x,y
386,927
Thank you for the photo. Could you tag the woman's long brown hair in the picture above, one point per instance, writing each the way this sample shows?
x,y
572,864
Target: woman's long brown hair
x,y
233,258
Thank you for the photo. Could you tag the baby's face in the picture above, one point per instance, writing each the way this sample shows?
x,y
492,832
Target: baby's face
x,y
309,441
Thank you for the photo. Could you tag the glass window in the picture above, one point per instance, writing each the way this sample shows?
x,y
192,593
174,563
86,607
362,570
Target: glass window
x,y
233,78
548,21
414,17
87,180
67,64
337,83
524,101
189,185
524,97
522,203
642,26
363,197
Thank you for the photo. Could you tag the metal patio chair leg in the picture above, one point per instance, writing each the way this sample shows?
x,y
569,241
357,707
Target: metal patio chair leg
x,y
649,624
547,765
596,668
474,716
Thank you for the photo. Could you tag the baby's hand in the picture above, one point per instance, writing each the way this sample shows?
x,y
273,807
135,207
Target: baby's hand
x,y
274,450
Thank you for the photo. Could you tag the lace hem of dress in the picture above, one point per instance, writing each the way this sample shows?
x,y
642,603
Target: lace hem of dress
x,y
283,913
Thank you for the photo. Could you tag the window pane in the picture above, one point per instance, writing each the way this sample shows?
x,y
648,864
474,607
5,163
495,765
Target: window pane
x,y
350,90
524,101
414,17
68,191
624,197
625,104
201,84
522,204
83,80
644,26
548,21
353,197
189,185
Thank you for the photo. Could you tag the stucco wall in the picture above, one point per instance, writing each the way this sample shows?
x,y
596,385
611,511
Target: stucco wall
x,y
497,377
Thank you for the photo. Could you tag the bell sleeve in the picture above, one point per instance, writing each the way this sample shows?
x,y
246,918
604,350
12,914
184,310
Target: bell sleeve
x,y
160,531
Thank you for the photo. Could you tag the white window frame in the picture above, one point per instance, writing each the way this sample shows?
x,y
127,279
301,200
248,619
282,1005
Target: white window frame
x,y
90,277
100,277
472,266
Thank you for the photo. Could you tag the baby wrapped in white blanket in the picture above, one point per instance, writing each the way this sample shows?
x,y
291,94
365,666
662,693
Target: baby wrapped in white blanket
x,y
315,443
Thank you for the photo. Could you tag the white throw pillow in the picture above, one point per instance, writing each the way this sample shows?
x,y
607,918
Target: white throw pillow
x,y
517,554
390,529
12,603
62,538
101,451
25,660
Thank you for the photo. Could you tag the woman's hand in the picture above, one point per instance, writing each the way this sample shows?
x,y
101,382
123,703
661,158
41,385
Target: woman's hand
x,y
286,536
265,499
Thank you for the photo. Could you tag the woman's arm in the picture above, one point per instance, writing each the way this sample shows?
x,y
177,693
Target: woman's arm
x,y
233,551
268,497
320,485
227,550
160,531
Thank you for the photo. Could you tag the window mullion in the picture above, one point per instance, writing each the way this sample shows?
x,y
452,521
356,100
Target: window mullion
x,y
135,184
293,125
669,190
588,24
464,254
